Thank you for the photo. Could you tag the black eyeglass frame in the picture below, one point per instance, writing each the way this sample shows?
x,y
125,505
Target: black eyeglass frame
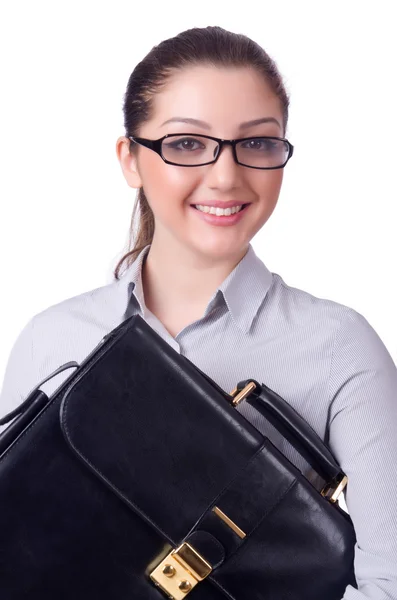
x,y
155,145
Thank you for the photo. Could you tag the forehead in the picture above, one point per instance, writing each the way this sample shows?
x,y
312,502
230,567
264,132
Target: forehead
x,y
219,96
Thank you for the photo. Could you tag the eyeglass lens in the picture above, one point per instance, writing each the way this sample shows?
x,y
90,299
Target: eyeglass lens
x,y
197,150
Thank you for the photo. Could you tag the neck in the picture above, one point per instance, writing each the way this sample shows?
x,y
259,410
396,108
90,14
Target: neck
x,y
177,278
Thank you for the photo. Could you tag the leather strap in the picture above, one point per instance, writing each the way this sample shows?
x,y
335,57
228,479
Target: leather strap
x,y
32,397
294,428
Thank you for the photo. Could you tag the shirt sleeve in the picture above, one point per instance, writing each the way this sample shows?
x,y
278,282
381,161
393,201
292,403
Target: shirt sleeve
x,y
20,374
363,438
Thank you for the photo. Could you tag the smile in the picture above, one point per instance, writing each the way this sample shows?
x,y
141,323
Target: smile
x,y
214,210
219,216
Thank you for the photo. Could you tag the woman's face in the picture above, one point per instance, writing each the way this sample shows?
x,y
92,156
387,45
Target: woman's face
x,y
223,99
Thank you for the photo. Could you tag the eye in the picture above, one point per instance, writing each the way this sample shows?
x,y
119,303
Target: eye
x,y
187,144
263,144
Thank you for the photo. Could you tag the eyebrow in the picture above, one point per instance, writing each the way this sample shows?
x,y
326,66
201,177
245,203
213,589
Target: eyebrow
x,y
205,125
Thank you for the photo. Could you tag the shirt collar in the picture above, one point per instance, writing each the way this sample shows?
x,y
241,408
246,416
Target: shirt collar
x,y
243,290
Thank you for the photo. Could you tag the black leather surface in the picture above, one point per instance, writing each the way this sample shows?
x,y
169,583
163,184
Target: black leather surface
x,y
36,403
166,426
127,461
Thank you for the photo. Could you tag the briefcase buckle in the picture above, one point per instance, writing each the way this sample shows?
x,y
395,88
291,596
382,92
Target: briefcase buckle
x,y
180,571
239,395
331,491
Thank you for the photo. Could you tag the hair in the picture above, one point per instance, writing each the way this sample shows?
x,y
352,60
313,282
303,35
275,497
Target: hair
x,y
212,46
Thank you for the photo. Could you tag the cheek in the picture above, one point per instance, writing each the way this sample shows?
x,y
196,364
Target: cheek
x,y
268,191
165,184
267,187
272,183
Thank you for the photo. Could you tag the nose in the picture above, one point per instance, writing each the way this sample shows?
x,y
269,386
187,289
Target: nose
x,y
225,146
224,173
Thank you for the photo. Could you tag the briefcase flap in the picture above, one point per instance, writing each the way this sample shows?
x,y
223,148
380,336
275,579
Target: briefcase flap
x,y
155,430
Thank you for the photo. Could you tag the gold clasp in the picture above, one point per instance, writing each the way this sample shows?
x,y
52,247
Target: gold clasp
x,y
180,571
332,492
238,396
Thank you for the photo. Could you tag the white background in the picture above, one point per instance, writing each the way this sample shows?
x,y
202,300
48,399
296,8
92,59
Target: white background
x,y
65,207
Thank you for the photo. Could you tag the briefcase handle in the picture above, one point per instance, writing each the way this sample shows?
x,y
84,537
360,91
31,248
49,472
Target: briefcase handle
x,y
296,430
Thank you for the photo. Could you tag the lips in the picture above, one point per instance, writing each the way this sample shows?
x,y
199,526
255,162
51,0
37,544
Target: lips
x,y
220,204
243,206
221,220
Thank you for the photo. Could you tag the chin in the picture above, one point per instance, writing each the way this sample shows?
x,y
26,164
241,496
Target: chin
x,y
218,249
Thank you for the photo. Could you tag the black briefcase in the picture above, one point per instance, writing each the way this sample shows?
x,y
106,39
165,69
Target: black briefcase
x,y
139,480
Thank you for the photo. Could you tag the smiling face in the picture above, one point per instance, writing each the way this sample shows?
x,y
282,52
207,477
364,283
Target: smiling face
x,y
223,99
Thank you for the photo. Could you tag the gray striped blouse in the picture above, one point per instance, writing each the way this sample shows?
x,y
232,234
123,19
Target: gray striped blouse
x,y
323,357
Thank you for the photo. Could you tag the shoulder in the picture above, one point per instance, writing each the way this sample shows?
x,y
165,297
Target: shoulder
x,y
336,342
300,308
356,354
63,332
96,310
350,337
70,329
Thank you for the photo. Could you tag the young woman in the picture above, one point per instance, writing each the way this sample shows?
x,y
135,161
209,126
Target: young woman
x,y
205,123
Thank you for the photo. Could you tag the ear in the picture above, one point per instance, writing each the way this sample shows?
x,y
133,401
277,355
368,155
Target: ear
x,y
128,162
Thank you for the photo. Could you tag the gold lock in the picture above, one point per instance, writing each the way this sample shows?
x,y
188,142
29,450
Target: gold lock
x,y
180,571
238,396
332,491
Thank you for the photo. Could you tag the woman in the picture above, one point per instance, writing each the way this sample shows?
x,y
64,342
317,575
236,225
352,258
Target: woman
x,y
193,275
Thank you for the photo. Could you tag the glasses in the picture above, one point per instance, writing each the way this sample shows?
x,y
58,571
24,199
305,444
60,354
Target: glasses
x,y
191,150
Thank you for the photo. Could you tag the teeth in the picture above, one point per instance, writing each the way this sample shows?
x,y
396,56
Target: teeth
x,y
219,212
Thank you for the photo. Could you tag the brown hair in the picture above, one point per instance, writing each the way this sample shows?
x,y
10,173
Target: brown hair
x,y
211,45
